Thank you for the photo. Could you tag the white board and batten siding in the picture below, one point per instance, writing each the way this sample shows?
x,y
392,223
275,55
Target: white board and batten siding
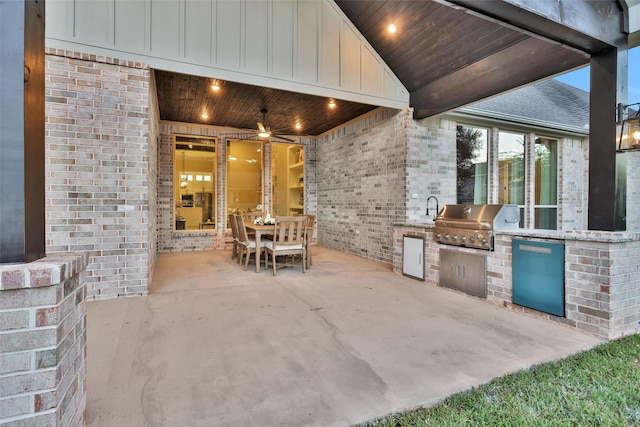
x,y
306,46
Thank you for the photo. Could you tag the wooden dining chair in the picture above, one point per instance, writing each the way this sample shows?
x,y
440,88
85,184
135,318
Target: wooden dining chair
x,y
252,216
247,244
288,239
311,223
234,232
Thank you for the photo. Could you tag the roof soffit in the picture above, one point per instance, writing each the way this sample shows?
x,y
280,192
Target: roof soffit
x,y
590,26
439,45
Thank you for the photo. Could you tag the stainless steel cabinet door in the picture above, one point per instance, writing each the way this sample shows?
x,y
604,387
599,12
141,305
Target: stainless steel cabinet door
x,y
413,257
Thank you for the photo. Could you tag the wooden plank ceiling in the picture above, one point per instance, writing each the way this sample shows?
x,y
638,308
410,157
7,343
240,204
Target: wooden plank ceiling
x,y
444,55
183,98
448,57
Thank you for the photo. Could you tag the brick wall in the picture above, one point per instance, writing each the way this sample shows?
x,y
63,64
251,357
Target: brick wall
x,y
603,283
529,182
361,184
633,191
368,173
310,176
152,171
493,190
573,183
98,191
43,342
431,165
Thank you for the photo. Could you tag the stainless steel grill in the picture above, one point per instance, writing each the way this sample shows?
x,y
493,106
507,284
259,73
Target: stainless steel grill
x,y
474,225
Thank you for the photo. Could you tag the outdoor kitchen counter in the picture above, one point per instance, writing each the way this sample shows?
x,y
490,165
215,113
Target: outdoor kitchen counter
x,y
581,235
416,224
601,273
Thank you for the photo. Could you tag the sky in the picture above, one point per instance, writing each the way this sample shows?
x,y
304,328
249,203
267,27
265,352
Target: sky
x,y
580,78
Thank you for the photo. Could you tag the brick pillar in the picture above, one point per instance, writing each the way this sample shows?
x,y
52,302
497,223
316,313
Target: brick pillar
x,y
494,165
43,342
530,181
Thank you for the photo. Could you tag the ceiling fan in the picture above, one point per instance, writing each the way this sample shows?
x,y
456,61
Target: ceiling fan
x,y
264,132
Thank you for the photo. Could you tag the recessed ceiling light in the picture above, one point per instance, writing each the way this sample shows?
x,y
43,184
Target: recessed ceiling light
x,y
215,85
204,115
392,28
332,103
298,125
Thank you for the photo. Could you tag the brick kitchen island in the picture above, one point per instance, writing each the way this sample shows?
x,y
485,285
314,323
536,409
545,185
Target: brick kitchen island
x,y
601,274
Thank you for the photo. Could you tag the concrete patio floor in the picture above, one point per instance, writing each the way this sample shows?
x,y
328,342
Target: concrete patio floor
x,y
349,341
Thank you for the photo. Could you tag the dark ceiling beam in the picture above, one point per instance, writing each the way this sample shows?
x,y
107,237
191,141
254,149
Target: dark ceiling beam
x,y
591,26
607,168
519,64
22,150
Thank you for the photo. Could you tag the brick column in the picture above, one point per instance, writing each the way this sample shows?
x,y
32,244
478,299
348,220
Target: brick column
x,y
530,180
494,165
43,342
602,283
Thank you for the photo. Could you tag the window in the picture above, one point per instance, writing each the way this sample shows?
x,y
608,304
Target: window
x,y
474,175
195,184
511,170
287,168
194,171
546,188
244,176
471,156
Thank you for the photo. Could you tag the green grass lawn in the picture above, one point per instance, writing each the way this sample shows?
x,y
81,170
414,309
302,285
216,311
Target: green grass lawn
x,y
599,387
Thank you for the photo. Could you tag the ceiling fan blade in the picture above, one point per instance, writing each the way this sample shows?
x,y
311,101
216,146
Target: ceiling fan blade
x,y
241,136
261,127
282,138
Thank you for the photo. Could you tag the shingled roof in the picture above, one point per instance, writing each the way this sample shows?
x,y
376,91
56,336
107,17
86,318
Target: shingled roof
x,y
549,103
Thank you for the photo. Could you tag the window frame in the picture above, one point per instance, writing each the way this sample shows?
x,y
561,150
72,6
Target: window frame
x,y
177,204
557,183
263,171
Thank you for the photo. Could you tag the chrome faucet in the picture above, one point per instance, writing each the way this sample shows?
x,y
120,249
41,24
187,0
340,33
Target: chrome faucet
x,y
436,199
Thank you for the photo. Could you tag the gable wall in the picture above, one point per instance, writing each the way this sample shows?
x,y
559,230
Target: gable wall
x,y
298,45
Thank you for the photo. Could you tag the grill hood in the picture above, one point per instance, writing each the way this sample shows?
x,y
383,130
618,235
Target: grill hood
x,y
474,225
494,217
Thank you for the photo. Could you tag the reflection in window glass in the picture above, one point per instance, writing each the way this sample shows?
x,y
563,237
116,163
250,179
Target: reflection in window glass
x,y
546,187
546,218
288,179
194,169
471,154
511,168
244,176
